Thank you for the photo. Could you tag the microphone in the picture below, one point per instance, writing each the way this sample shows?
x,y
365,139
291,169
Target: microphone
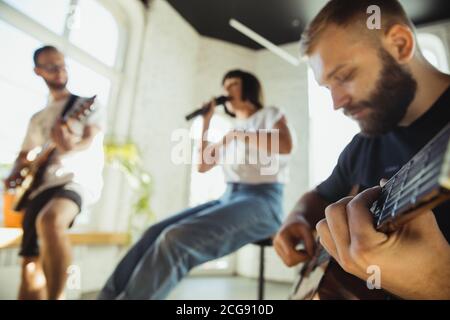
x,y
219,100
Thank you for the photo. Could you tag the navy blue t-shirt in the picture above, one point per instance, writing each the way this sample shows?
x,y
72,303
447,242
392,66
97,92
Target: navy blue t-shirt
x,y
366,160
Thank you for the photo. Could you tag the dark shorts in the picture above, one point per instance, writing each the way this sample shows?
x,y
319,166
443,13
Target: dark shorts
x,y
30,247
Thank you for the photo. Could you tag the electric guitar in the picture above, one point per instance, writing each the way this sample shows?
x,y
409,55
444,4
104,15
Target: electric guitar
x,y
39,158
421,184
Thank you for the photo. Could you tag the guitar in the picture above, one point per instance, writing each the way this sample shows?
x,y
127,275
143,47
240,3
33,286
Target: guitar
x,y
421,184
40,157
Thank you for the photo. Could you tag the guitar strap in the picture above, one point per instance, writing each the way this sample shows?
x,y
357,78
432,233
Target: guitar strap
x,y
69,104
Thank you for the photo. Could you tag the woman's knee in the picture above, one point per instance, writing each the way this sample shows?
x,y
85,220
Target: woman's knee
x,y
171,236
178,241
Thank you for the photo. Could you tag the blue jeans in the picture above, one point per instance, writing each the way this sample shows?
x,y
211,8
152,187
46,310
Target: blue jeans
x,y
169,249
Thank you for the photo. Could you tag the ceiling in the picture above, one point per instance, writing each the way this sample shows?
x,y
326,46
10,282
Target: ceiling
x,y
279,21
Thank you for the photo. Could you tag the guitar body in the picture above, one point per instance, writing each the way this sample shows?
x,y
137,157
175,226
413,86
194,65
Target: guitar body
x,y
311,276
323,279
32,179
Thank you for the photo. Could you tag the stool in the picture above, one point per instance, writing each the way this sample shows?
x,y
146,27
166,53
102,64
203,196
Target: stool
x,y
262,244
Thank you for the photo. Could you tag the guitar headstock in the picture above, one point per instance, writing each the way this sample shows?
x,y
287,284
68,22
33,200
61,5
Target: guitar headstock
x,y
82,109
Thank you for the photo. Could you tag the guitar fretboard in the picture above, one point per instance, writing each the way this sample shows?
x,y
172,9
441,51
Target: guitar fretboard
x,y
407,189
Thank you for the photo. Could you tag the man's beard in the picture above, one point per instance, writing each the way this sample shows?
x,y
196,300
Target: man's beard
x,y
56,86
394,91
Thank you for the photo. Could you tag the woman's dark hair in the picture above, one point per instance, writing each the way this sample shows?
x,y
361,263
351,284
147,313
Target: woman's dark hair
x,y
251,87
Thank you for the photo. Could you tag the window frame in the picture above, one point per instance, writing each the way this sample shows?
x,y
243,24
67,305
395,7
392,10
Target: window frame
x,y
433,43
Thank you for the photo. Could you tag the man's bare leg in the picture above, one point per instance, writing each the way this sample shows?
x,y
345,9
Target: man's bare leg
x,y
56,252
33,284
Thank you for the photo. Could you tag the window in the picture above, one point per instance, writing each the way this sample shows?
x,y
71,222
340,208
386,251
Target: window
x,y
87,82
50,13
22,93
89,32
96,32
330,132
434,51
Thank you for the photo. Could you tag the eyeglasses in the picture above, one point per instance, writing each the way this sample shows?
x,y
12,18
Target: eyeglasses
x,y
52,68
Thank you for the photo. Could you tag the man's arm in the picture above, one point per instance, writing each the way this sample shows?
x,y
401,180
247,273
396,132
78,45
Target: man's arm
x,y
310,209
298,228
90,131
413,261
207,151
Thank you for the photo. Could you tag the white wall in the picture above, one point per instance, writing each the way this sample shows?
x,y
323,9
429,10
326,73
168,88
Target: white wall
x,y
214,59
165,93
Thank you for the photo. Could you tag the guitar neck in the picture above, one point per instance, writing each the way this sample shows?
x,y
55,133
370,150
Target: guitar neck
x,y
423,182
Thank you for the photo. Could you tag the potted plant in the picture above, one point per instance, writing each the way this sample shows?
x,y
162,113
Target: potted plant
x,y
126,158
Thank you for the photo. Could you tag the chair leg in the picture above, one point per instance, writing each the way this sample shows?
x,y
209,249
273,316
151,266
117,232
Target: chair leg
x,y
261,274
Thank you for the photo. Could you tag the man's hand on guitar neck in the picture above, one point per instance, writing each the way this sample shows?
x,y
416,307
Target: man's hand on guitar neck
x,y
63,138
413,261
66,141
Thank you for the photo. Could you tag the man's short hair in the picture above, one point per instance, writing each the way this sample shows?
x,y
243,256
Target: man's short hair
x,y
251,87
41,50
344,13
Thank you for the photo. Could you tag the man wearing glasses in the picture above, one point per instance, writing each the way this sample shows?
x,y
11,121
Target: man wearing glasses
x,y
72,181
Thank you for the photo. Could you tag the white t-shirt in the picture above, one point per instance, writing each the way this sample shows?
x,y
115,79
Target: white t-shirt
x,y
80,171
250,165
